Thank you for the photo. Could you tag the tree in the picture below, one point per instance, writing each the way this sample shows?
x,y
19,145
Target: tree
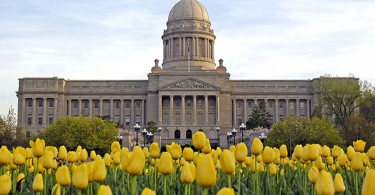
x,y
151,127
260,117
90,133
8,128
303,131
341,97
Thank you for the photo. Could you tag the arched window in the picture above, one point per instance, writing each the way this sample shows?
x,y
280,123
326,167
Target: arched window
x,y
188,134
177,134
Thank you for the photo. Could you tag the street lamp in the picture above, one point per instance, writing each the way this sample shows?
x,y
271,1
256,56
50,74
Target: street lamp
x,y
229,135
149,137
242,128
234,132
262,137
136,129
144,133
218,132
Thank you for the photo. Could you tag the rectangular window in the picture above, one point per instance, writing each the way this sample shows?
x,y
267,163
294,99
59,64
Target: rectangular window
x,y
270,104
291,105
96,104
40,103
40,119
211,103
50,119
117,118
239,120
85,104
188,103
302,104
281,105
138,104
127,120
29,103
250,104
200,103
29,119
51,102
117,104
177,103
75,104
127,104
138,119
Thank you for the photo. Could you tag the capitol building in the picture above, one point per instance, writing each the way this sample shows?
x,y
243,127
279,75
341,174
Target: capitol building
x,y
186,91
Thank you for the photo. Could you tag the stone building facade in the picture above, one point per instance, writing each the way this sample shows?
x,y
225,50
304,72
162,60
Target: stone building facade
x,y
186,93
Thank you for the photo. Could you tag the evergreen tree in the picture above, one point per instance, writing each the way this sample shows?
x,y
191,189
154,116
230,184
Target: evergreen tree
x,y
260,117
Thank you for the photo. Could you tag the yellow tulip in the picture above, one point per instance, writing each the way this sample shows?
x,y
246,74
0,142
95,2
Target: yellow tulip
x,y
305,153
336,151
29,153
38,183
339,183
63,154
319,163
324,184
357,162
51,149
155,150
313,152
72,157
56,189
350,152
5,184
256,147
148,191
187,153
371,153
63,176
175,150
19,156
329,160
165,163
298,151
240,153
83,155
107,160
199,140
80,177
136,161
105,190
124,161
92,155
145,152
116,158
342,159
326,151
99,170
207,147
5,156
227,162
115,147
48,160
225,191
359,145
313,174
283,151
186,174
368,187
206,172
193,169
37,147
20,177
272,168
268,155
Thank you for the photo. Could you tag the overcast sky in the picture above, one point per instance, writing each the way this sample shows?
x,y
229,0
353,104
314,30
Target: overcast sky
x,y
258,39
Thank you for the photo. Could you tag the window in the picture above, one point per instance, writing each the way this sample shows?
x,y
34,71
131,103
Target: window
x,y
250,104
51,102
138,119
188,103
178,103
96,104
239,104
302,104
270,104
40,119
211,103
29,103
50,119
239,120
85,104
117,104
127,120
40,103
177,134
138,104
200,103
291,105
127,104
75,104
117,118
188,134
281,105
29,119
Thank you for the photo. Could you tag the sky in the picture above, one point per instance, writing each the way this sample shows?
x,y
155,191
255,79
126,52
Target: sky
x,y
119,39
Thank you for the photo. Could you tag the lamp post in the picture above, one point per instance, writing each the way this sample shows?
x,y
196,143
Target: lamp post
x,y
144,133
262,137
234,132
149,137
218,132
136,129
229,135
242,128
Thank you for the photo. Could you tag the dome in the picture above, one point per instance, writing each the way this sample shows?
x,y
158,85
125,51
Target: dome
x,y
188,10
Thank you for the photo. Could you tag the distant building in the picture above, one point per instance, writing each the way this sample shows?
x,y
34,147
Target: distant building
x,y
186,93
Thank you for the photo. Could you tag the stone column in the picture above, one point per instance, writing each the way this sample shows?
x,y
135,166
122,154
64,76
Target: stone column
x,y
111,109
44,111
206,109
218,110
183,109
34,113
234,112
55,110
245,110
70,108
197,41
277,109
192,47
172,48
79,107
171,110
286,107
101,107
255,102
308,108
143,112
90,108
297,105
205,47
160,110
122,111
132,113
183,46
23,111
194,109
213,50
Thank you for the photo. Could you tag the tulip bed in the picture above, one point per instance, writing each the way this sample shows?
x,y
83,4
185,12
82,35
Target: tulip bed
x,y
311,169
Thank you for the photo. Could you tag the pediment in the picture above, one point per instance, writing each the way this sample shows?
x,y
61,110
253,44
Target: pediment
x,y
190,84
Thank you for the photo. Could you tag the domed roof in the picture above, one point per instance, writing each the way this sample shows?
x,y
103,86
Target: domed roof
x,y
188,10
